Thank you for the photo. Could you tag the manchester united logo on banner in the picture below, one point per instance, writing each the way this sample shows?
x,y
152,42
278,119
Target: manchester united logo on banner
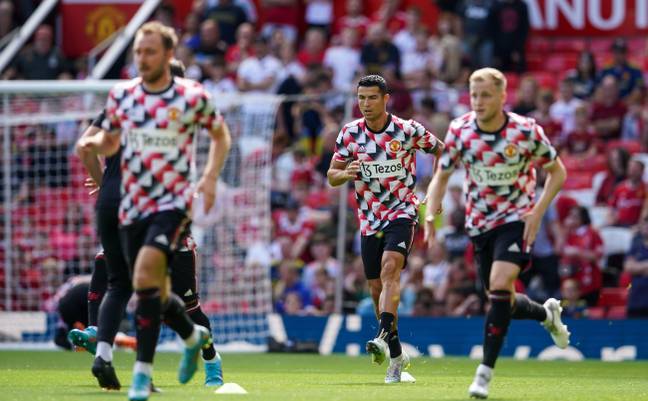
x,y
103,22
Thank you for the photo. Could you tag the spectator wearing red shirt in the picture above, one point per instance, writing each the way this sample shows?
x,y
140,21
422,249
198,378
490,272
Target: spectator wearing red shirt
x,y
354,18
294,222
582,250
618,159
242,49
628,198
552,128
608,110
314,47
284,15
389,16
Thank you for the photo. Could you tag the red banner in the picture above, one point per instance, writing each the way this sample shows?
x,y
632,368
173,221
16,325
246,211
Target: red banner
x,y
589,17
88,22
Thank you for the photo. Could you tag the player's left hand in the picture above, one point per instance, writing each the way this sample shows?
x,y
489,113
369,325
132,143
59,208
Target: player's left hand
x,y
531,226
207,187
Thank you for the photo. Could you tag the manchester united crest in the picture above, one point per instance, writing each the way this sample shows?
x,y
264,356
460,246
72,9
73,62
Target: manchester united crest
x,y
510,151
173,113
103,22
394,146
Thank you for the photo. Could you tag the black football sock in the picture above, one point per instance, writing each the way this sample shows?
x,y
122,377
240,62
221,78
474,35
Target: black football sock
x,y
147,321
524,308
497,322
199,317
395,349
176,317
96,290
386,321
111,313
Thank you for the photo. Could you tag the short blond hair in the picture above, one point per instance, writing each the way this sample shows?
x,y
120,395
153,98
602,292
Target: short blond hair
x,y
168,35
492,74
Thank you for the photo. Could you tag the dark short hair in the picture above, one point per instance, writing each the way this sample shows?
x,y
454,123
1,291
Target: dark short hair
x,y
374,80
584,215
177,68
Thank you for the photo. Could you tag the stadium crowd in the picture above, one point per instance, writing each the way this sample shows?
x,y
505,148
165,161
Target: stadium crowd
x,y
586,93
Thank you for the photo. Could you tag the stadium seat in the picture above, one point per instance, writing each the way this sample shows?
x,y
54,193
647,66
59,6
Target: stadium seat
x,y
631,146
617,312
613,297
637,46
595,312
535,61
538,45
569,45
578,180
560,62
600,45
616,240
625,280
546,79
599,215
512,80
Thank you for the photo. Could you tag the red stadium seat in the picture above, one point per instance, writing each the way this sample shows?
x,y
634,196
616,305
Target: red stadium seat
x,y
631,146
625,280
637,46
560,62
546,79
512,80
600,45
617,312
535,61
538,45
574,45
595,312
578,180
613,296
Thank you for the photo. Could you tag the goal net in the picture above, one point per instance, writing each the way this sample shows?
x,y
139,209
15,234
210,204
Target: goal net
x,y
47,219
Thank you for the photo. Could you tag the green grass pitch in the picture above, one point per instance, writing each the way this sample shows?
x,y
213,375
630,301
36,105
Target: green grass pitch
x,y
65,376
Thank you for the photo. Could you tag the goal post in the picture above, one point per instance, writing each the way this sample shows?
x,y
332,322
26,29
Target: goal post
x,y
47,218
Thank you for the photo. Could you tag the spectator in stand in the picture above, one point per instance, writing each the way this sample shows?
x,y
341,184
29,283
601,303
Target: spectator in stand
x,y
344,60
418,65
7,17
636,264
564,109
229,16
294,223
242,49
542,115
629,79
405,39
283,15
319,14
478,35
292,68
379,53
218,81
580,143
165,14
581,252
618,159
40,60
509,20
584,75
192,70
390,16
259,72
448,68
628,198
456,240
210,46
312,53
191,32
354,18
608,110
633,127
248,6
572,303
322,294
435,273
526,96
321,250
289,283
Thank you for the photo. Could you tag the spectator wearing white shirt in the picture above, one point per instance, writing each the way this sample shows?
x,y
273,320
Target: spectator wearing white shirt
x,y
218,81
291,67
344,60
405,39
259,73
564,109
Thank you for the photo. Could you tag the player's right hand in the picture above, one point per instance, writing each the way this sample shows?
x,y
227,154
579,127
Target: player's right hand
x,y
429,233
352,170
91,185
